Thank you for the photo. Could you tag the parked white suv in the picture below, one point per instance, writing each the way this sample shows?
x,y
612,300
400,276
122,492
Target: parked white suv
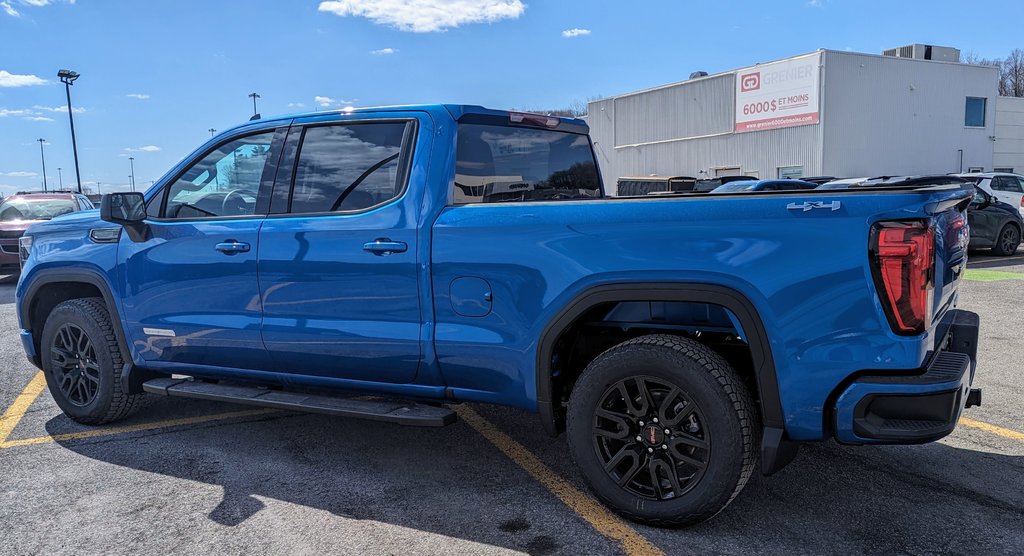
x,y
1008,188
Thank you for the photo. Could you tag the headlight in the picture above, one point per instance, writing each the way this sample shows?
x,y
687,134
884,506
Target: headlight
x,y
24,248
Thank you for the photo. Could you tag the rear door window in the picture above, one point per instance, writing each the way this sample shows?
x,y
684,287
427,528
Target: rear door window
x,y
1005,183
495,164
349,167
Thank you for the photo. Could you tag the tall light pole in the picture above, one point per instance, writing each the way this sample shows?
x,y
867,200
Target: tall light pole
x,y
43,158
68,77
98,191
212,131
254,96
131,162
60,178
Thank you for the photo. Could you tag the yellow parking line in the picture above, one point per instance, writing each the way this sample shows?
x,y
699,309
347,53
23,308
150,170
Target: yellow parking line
x,y
988,427
13,415
92,433
599,517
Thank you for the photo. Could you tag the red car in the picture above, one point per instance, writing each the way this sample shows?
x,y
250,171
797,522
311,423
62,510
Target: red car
x,y
20,211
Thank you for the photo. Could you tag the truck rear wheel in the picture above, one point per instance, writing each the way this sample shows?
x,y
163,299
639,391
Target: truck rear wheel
x,y
82,363
663,430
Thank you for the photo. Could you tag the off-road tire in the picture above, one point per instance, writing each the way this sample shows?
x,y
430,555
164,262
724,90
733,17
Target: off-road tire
x,y
110,402
712,385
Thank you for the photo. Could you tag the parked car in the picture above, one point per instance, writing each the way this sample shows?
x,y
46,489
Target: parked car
x,y
1008,188
750,186
647,185
672,355
842,183
19,211
819,179
709,184
994,224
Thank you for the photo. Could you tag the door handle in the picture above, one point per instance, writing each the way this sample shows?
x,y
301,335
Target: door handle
x,y
383,247
230,247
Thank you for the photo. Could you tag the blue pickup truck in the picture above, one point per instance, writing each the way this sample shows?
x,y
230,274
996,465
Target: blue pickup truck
x,y
432,255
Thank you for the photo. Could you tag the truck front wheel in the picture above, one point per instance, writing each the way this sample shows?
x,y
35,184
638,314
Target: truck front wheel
x,y
663,430
82,363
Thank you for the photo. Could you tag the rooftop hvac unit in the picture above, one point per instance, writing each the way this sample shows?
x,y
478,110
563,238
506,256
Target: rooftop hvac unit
x,y
925,52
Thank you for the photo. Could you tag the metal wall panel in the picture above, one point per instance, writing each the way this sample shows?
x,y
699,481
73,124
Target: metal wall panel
x,y
1009,144
890,116
689,109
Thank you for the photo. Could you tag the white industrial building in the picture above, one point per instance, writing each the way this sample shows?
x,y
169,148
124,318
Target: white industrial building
x,y
1009,144
829,113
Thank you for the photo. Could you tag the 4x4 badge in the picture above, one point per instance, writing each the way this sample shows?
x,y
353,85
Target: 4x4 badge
x,y
809,205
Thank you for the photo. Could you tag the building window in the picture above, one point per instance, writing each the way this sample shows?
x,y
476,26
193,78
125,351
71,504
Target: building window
x,y
790,172
1003,170
974,114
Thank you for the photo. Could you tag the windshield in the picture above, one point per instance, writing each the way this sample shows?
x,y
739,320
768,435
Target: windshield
x,y
34,209
736,186
496,164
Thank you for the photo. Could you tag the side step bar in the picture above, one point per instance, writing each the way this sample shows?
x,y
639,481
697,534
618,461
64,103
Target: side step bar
x,y
404,413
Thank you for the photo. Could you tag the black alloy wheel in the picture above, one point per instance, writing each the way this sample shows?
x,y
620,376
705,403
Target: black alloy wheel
x,y
650,437
74,366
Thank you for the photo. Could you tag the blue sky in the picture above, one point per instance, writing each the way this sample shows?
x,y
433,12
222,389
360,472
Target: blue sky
x,y
156,75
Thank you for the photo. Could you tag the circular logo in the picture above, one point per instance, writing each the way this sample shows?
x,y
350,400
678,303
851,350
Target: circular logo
x,y
653,435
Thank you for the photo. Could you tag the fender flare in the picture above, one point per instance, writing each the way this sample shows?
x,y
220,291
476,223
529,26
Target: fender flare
x,y
131,377
777,449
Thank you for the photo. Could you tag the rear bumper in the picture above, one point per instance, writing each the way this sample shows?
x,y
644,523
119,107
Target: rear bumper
x,y
914,409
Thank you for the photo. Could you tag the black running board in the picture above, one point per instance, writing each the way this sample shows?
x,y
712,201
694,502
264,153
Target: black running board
x,y
404,413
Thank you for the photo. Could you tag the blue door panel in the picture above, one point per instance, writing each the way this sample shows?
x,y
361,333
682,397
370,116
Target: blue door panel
x,y
334,309
187,302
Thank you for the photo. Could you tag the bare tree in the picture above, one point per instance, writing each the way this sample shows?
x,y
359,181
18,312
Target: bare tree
x,y
1013,69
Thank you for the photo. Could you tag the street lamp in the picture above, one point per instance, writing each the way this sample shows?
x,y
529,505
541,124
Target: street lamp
x,y
254,96
131,162
60,178
212,131
43,158
68,77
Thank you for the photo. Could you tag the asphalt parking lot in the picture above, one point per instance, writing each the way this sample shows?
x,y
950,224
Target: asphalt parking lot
x,y
196,477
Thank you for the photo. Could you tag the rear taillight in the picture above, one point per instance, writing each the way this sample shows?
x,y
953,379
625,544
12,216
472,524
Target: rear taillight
x,y
903,263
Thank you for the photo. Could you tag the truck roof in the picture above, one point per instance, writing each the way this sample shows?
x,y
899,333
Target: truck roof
x,y
457,111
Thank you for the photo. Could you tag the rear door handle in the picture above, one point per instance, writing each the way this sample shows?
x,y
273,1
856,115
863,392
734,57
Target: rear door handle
x,y
230,247
384,246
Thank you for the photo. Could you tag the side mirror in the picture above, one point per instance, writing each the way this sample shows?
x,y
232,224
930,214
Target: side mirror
x,y
123,208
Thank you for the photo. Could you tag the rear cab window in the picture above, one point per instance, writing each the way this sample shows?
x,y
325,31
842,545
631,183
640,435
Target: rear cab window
x,y
499,163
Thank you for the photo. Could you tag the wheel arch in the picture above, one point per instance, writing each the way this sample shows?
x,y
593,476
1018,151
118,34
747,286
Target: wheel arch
x,y
777,450
49,287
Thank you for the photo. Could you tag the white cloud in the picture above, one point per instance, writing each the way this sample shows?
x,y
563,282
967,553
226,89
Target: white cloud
x,y
62,109
5,112
9,9
384,51
140,96
8,79
296,105
814,3
38,119
575,32
326,102
19,174
146,149
426,16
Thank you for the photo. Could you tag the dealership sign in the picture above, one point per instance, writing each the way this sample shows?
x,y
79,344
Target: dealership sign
x,y
779,94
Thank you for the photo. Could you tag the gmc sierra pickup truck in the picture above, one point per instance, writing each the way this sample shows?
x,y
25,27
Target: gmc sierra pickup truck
x,y
432,255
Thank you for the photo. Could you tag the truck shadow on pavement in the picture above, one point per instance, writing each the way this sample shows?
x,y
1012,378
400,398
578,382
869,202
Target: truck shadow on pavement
x,y
452,482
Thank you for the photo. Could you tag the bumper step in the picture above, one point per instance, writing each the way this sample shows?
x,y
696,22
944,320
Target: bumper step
x,y
401,412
